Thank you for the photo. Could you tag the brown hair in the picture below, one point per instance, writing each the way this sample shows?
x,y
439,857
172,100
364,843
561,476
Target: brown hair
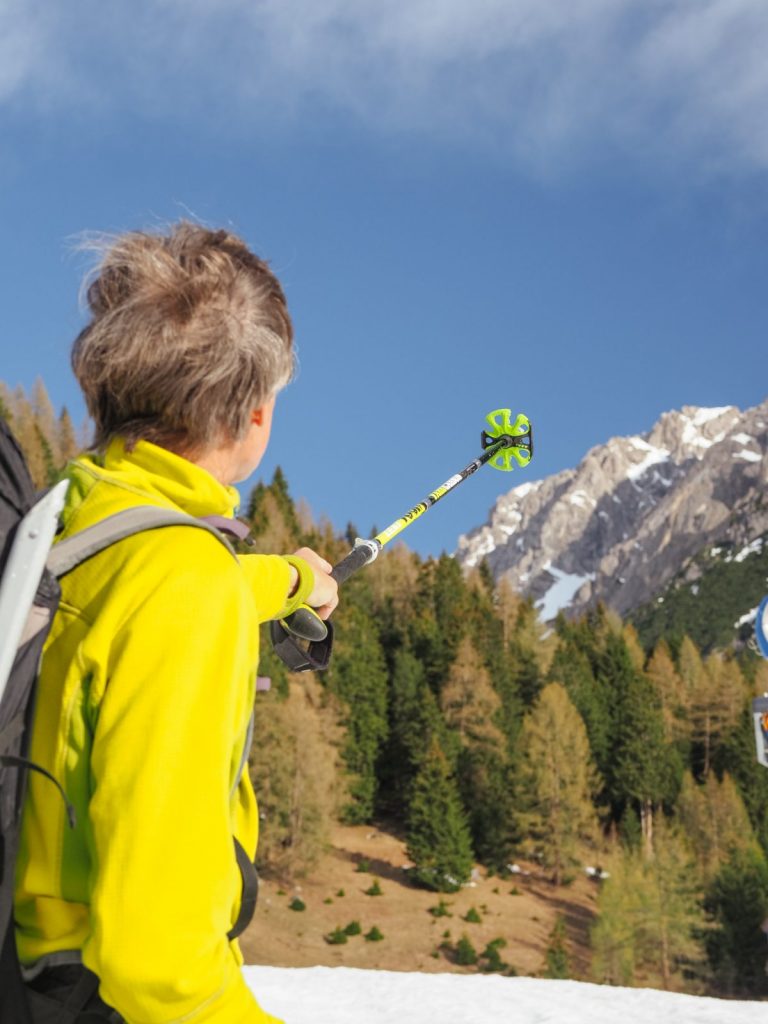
x,y
189,333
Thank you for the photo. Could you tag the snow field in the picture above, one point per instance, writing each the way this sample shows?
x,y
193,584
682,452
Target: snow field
x,y
345,995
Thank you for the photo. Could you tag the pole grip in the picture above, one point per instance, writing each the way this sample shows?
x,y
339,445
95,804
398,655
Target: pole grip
x,y
306,625
361,554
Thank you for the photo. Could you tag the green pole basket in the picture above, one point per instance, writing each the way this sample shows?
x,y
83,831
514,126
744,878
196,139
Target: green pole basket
x,y
518,450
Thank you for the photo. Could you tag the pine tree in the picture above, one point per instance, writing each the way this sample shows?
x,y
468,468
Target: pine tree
x,y
646,771
45,420
451,602
279,488
572,667
414,718
738,902
557,781
438,835
736,755
358,676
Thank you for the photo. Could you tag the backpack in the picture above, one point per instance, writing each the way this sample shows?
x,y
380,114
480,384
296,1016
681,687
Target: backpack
x,y
30,569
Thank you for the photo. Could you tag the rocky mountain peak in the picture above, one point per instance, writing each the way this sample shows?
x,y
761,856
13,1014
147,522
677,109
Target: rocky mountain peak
x,y
624,521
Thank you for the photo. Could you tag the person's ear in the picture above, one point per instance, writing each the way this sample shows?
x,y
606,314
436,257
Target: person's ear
x,y
257,417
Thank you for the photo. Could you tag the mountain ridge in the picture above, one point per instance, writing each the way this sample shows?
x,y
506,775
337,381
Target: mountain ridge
x,y
628,519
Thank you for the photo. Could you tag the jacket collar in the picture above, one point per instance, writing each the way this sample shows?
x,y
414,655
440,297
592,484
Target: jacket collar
x,y
161,475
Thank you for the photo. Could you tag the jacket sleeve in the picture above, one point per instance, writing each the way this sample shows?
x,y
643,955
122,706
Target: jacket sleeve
x,y
165,879
269,578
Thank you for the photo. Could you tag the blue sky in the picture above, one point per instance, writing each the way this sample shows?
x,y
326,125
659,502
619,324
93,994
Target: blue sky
x,y
559,207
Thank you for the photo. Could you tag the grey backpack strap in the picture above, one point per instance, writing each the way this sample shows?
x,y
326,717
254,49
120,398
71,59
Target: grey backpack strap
x,y
72,551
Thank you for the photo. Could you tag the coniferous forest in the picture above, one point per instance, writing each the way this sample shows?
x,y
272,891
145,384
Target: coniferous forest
x,y
452,713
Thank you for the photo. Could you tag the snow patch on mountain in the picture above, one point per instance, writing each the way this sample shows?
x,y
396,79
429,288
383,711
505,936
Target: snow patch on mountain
x,y
563,590
653,456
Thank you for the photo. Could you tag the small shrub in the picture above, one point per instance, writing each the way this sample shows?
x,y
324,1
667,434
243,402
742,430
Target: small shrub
x,y
281,892
353,928
496,890
466,955
557,952
375,889
340,894
363,866
374,935
435,954
472,916
492,958
441,910
328,900
514,891
337,937
297,904
447,933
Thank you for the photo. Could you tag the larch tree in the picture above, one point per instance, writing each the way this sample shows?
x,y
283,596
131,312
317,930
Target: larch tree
x,y
650,917
691,670
716,702
67,440
558,781
293,765
672,692
468,700
715,821
30,438
471,709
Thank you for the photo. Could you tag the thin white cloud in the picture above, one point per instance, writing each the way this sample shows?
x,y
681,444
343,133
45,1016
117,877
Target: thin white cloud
x,y
547,81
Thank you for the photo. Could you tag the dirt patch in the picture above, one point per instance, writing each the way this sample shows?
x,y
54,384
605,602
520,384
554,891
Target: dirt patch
x,y
521,909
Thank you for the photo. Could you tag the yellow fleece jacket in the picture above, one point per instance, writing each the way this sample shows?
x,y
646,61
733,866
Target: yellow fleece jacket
x,y
146,690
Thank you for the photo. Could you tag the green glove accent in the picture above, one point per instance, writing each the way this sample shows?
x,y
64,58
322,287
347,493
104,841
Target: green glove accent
x,y
304,587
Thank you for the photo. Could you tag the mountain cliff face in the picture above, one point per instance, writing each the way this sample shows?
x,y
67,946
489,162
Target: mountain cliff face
x,y
632,514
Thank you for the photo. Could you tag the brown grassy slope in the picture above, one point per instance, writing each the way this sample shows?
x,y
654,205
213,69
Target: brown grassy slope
x,y
282,937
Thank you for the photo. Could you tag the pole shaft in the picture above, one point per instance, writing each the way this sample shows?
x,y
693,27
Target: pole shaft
x,y
433,497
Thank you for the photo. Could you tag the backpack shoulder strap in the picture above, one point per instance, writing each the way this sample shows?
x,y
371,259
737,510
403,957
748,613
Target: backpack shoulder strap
x,y
73,551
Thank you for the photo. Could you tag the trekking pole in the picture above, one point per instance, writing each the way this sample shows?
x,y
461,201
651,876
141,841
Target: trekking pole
x,y
506,443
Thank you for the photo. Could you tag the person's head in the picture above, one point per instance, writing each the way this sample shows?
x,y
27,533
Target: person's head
x,y
188,343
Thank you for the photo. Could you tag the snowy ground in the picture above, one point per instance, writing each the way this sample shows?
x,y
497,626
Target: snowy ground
x,y
343,995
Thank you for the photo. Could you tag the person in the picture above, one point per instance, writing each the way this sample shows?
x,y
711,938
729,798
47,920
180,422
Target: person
x,y
148,678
